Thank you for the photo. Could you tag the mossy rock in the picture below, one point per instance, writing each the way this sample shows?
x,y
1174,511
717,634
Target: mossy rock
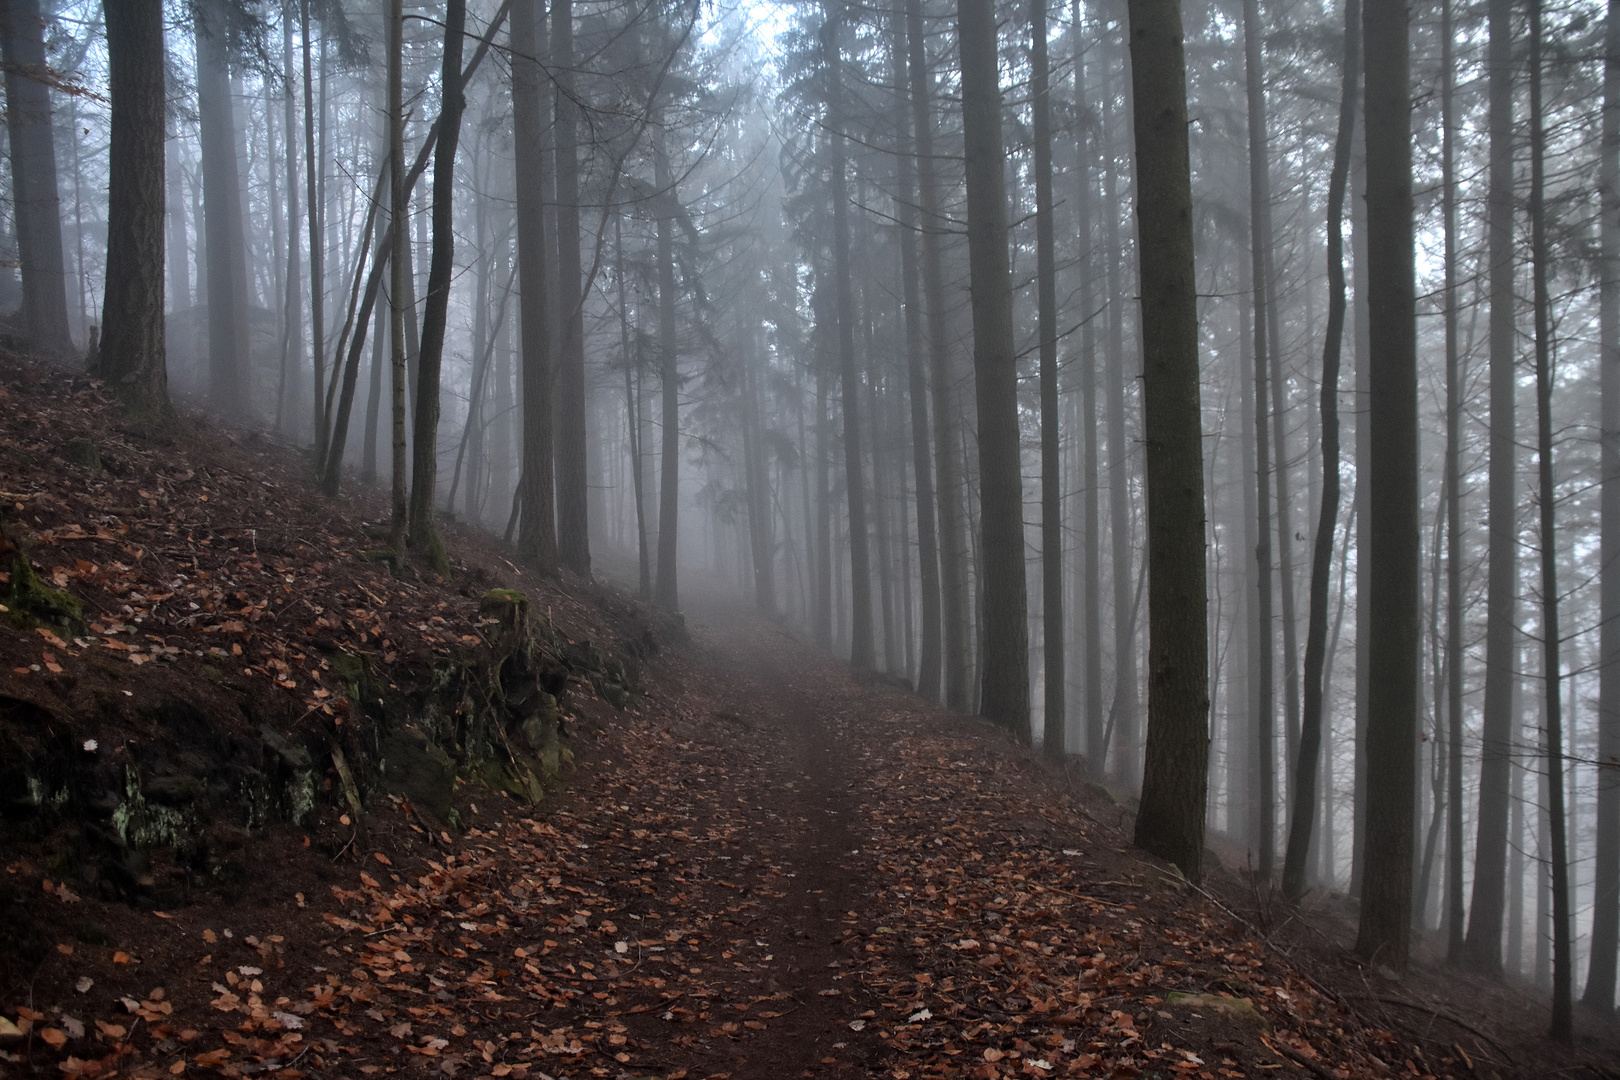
x,y
416,769
354,673
32,603
1235,1008
508,607
614,694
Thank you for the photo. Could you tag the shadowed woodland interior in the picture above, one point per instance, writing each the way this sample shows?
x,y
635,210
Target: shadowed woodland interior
x,y
1220,396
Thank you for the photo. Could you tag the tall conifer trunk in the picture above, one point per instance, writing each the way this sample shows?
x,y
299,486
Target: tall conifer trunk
x,y
1265,729
1087,151
1170,822
573,490
1600,975
1004,678
953,600
861,650
1392,562
132,347
537,533
1482,947
33,177
1563,1015
1056,713
666,591
928,665
1454,917
230,367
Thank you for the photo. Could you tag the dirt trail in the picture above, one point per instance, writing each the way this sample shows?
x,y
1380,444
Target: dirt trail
x,y
778,787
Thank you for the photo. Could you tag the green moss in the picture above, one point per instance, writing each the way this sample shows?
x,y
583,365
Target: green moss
x,y
352,671
386,555
141,824
437,556
32,603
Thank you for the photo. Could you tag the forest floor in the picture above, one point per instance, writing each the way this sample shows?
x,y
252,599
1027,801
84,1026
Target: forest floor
x,y
763,867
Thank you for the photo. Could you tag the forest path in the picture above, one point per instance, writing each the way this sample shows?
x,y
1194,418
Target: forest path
x,y
766,869
775,868
767,787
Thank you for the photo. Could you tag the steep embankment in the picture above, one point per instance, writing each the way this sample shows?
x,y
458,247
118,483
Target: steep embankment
x,y
199,655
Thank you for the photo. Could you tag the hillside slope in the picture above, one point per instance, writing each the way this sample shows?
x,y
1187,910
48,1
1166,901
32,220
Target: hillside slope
x,y
270,809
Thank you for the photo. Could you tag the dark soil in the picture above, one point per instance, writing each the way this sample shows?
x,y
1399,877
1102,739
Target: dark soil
x,y
760,867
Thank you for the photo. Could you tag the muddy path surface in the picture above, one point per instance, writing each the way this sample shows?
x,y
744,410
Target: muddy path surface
x,y
767,868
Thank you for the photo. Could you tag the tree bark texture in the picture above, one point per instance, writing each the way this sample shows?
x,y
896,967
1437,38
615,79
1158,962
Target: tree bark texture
x,y
537,533
132,350
1392,561
573,490
1004,676
1055,711
1600,974
1482,947
1562,1026
33,178
1265,718
1170,822
952,531
928,663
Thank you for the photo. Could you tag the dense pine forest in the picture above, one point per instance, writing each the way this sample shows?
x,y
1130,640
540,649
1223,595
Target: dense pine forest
x,y
1222,397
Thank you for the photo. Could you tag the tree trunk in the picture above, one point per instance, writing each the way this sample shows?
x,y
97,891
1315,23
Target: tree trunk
x,y
761,522
666,591
1305,793
132,352
398,213
379,340
824,584
1363,502
1600,974
1392,563
1004,678
928,666
1265,726
633,411
1563,1020
425,464
1087,152
317,243
537,536
178,243
1482,948
1170,822
1455,656
860,640
1126,691
573,489
1056,714
952,535
33,178
292,340
230,367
